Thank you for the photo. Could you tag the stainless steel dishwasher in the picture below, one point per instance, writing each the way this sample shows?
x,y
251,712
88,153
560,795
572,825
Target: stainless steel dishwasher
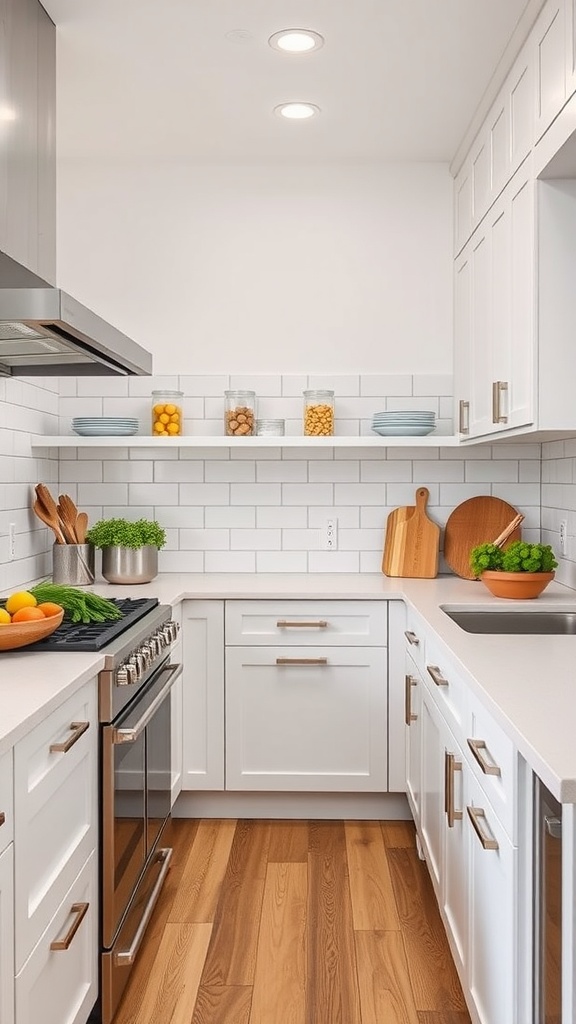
x,y
547,907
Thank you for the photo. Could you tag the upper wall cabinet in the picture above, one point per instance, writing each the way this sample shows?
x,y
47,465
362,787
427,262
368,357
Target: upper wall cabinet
x,y
499,149
27,135
548,42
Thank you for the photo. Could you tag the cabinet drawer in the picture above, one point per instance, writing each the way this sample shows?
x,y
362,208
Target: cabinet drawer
x,y
445,682
6,800
55,830
494,762
330,623
306,719
58,985
414,639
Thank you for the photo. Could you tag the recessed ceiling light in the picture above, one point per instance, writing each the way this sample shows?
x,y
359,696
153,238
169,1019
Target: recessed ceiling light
x,y
296,40
297,111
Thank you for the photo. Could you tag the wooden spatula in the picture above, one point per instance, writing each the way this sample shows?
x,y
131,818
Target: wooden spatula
x,y
52,521
68,514
81,527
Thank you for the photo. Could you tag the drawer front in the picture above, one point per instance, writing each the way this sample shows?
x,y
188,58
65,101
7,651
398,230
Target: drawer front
x,y
59,981
447,686
6,800
56,794
494,763
306,719
414,639
330,623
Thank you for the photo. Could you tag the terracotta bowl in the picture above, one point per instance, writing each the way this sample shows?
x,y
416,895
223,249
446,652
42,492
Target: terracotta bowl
x,y
518,586
20,634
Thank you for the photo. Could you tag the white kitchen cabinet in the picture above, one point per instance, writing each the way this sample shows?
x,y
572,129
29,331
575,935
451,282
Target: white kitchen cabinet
x,y
56,808
570,31
6,800
58,982
7,935
176,715
305,710
413,721
548,41
432,790
203,695
495,316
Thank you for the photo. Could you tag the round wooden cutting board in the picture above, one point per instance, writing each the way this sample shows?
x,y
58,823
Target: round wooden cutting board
x,y
476,521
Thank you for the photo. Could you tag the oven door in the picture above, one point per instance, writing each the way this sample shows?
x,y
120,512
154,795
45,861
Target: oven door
x,y
136,781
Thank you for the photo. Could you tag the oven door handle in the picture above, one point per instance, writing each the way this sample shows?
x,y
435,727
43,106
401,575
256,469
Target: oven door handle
x,y
131,735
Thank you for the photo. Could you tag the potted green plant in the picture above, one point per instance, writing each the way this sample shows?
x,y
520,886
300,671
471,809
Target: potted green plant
x,y
520,571
129,550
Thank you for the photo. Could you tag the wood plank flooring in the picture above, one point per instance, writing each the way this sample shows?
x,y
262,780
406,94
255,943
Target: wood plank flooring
x,y
294,922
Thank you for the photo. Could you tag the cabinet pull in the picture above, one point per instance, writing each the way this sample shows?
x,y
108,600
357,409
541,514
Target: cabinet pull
x,y
125,957
498,387
301,661
412,638
437,676
2,817
451,765
464,417
79,728
409,682
477,746
284,624
80,909
477,815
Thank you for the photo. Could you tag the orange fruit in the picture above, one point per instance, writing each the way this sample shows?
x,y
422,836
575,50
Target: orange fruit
x,y
170,409
49,608
22,599
27,615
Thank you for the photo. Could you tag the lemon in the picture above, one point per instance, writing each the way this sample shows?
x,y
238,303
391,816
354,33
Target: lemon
x,y
22,599
4,617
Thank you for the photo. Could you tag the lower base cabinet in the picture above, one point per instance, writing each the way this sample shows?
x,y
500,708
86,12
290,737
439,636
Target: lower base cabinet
x,y
306,719
7,936
57,984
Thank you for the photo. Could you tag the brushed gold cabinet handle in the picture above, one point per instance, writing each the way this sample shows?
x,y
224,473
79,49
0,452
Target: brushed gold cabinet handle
x,y
409,717
437,676
301,661
283,624
412,638
477,746
2,817
451,765
80,909
477,815
464,417
79,728
498,386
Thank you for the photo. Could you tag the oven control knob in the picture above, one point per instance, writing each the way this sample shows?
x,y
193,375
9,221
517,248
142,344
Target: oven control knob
x,y
137,662
126,675
171,631
145,652
155,646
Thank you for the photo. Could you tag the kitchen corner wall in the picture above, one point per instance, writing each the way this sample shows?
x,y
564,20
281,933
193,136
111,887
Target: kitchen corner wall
x,y
26,408
559,502
239,510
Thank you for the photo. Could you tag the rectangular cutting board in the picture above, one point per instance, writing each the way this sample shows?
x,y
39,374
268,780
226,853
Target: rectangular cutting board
x,y
412,541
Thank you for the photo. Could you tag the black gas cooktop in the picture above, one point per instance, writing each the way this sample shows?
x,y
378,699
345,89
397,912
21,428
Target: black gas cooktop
x,y
94,636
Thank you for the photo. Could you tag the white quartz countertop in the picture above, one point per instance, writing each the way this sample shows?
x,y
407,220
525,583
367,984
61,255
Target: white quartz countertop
x,y
527,682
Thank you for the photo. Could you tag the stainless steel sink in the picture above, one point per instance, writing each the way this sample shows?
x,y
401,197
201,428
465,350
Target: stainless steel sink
x,y
541,623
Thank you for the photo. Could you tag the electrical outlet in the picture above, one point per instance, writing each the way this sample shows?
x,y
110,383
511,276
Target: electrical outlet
x,y
12,541
330,534
563,536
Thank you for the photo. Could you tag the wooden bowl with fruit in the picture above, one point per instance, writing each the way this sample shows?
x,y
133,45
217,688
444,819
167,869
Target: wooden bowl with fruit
x,y
24,621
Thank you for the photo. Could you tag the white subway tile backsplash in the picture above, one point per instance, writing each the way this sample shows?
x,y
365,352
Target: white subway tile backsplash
x,y
230,561
347,515
256,494
255,540
282,471
332,471
282,561
334,561
180,561
440,472
360,540
205,494
156,494
103,494
383,386
133,472
308,494
184,516
489,471
300,540
230,516
177,471
282,516
433,384
204,540
88,472
383,471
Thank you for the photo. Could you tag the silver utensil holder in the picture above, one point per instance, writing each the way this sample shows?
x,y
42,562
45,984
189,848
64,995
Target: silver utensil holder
x,y
73,564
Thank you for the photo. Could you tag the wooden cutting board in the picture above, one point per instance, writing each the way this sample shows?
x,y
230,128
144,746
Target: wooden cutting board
x,y
476,521
412,541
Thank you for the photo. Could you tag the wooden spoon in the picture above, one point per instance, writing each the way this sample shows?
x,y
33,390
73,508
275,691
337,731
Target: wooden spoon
x,y
52,521
68,514
81,527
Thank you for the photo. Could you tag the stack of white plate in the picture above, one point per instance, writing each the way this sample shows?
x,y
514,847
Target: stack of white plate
x,y
104,426
403,424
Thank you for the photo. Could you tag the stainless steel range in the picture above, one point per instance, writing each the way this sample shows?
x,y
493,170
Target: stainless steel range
x,y
135,776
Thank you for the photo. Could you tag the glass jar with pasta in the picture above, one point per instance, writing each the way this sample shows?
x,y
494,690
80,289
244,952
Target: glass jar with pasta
x,y
318,413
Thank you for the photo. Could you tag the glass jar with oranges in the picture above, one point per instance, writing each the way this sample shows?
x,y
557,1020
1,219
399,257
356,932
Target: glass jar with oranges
x,y
167,413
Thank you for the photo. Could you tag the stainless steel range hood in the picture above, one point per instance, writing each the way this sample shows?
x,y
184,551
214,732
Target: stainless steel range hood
x,y
45,332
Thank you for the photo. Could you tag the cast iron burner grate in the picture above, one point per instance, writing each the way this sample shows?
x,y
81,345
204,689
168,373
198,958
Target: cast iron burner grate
x,y
93,636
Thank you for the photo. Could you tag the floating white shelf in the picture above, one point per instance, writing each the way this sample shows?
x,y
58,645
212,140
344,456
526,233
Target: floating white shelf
x,y
197,441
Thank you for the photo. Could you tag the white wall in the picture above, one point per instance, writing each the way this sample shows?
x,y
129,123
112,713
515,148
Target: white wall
x,y
559,503
316,269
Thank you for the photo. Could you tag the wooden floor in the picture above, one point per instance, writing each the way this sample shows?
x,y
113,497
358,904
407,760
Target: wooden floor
x,y
294,922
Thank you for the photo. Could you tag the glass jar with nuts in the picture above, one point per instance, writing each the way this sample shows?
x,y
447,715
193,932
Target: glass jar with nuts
x,y
318,413
239,413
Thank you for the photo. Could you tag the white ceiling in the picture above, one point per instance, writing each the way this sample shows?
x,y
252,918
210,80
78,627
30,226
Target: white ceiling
x,y
162,79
